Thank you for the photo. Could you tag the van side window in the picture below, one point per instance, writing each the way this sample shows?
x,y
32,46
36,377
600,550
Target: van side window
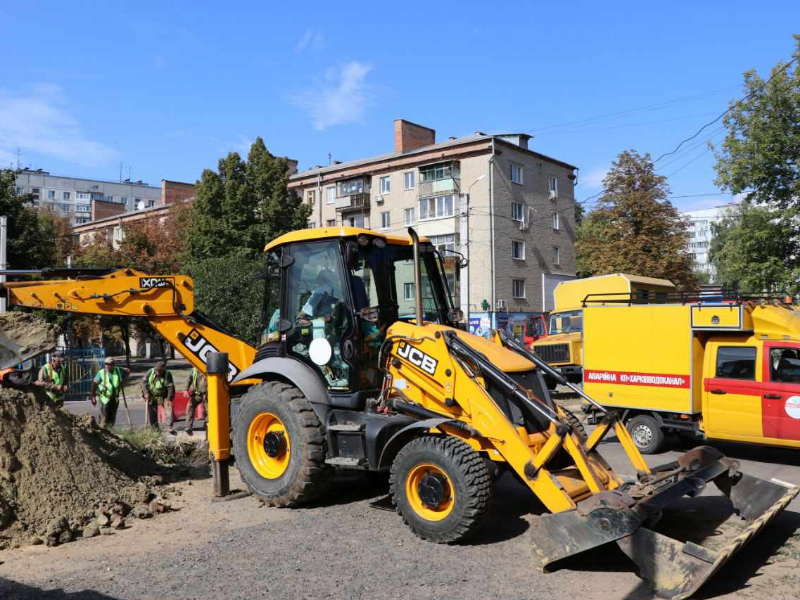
x,y
784,365
736,363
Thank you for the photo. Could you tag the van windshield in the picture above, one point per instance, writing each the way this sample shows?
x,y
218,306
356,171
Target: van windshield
x,y
566,322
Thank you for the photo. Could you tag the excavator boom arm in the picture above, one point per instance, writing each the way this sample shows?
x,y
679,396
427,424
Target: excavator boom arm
x,y
166,302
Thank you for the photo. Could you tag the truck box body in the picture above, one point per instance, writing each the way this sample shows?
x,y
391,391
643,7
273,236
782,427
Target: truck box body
x,y
570,295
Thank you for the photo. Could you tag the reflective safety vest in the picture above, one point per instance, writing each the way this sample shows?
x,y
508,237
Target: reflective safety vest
x,y
109,385
157,385
58,377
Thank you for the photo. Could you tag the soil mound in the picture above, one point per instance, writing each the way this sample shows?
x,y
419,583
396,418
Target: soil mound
x,y
22,336
59,472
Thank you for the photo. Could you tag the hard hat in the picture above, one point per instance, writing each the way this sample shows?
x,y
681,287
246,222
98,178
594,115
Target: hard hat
x,y
109,360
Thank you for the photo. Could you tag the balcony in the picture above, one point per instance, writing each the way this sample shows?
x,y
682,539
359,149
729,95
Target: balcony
x,y
439,187
354,202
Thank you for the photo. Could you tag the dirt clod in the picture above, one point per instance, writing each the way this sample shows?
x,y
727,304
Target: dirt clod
x,y
59,468
141,511
91,530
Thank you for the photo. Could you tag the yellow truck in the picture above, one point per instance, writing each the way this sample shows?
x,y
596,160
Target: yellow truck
x,y
562,349
718,369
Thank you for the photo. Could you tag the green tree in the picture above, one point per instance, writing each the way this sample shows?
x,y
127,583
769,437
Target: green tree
x,y
243,205
634,228
754,249
227,290
760,155
36,239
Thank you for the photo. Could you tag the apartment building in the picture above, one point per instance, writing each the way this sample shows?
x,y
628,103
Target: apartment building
x,y
490,198
700,235
72,197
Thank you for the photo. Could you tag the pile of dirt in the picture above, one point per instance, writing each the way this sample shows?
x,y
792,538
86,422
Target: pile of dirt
x,y
24,336
61,475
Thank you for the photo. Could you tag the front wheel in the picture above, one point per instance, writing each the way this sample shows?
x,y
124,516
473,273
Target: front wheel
x,y
279,445
646,434
441,487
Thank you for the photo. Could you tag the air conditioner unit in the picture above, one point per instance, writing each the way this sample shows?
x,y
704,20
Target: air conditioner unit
x,y
501,304
553,194
378,200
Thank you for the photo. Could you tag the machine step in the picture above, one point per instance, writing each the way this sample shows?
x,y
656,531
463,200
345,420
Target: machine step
x,y
340,461
346,427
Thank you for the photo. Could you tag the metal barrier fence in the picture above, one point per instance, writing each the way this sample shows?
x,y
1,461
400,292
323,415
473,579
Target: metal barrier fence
x,y
82,365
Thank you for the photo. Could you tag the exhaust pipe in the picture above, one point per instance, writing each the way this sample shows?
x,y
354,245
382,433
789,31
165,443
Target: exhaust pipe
x,y
417,275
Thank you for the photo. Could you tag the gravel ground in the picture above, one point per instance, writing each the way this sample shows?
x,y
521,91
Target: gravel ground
x,y
343,548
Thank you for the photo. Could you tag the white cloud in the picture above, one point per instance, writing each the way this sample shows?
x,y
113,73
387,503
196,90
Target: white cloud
x,y
340,98
39,123
311,40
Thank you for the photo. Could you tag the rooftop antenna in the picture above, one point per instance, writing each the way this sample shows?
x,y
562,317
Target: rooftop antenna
x,y
19,153
330,159
120,171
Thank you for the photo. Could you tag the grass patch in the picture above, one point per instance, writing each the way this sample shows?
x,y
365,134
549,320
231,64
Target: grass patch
x,y
150,441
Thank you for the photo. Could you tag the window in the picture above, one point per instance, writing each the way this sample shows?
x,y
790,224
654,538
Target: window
x,y
517,250
553,187
151,203
310,195
83,196
109,198
20,190
136,201
518,288
82,221
409,179
51,195
784,365
386,220
96,195
386,185
330,194
736,362
350,187
95,187
408,291
556,256
517,211
411,216
356,221
66,195
83,208
438,172
565,322
446,244
312,225
516,173
438,206
555,221
330,223
124,199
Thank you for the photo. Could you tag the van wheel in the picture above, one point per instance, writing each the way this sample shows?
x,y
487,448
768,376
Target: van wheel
x,y
646,434
279,445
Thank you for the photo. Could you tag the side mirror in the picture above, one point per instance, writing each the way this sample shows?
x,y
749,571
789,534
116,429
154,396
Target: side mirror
x,y
351,255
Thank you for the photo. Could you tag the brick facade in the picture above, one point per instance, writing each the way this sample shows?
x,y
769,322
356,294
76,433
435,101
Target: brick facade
x,y
176,191
102,209
409,136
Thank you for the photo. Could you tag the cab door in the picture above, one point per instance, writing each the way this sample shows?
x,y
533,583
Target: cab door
x,y
781,390
732,389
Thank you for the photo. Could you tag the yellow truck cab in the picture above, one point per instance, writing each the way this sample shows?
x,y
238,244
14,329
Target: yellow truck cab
x,y
562,349
724,369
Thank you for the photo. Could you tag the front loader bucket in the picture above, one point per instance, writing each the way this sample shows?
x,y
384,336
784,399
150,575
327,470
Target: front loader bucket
x,y
676,555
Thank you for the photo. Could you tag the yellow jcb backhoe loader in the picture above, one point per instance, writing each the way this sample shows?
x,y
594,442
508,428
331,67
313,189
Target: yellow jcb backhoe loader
x,y
362,366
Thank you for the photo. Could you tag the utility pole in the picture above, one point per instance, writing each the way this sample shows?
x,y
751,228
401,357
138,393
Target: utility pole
x,y
3,264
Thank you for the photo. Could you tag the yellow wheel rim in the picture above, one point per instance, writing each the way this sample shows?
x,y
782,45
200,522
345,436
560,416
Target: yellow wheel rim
x,y
446,496
268,445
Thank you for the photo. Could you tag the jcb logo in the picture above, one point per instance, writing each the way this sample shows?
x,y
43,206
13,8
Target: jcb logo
x,y
148,283
417,357
200,347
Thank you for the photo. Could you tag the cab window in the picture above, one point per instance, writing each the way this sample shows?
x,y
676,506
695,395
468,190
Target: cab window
x,y
784,365
736,362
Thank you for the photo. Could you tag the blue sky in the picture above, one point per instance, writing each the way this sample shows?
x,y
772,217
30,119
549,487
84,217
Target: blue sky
x,y
167,90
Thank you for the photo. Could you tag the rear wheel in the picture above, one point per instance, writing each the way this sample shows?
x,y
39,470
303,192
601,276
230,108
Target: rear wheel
x,y
646,434
441,487
279,446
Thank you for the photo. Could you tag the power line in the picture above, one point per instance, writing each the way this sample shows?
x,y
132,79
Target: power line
x,y
730,108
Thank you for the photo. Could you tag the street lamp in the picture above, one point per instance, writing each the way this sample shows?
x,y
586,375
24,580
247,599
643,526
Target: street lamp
x,y
469,189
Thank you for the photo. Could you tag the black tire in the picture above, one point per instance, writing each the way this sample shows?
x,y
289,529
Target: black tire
x,y
306,474
646,433
471,483
576,423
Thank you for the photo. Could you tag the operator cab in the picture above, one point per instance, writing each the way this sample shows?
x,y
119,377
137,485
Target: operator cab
x,y
330,299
